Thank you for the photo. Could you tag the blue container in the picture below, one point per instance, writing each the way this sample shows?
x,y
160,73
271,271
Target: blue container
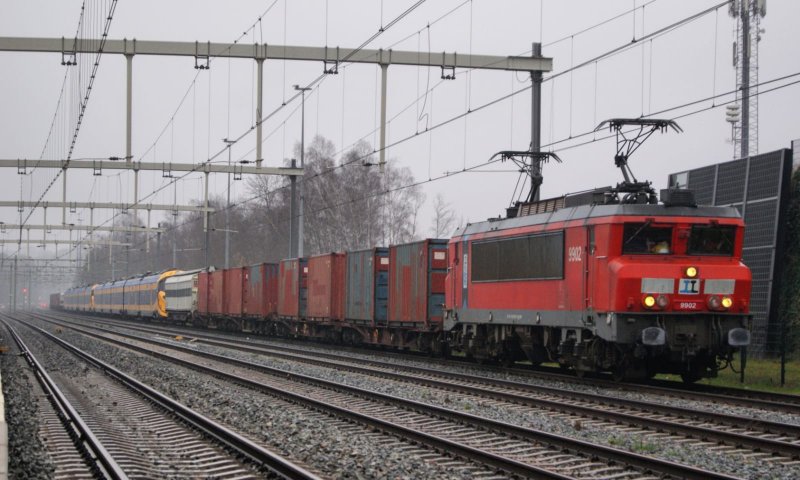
x,y
367,296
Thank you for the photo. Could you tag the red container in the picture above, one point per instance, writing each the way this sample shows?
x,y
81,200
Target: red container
x,y
202,293
292,287
417,274
261,290
216,292
326,286
233,291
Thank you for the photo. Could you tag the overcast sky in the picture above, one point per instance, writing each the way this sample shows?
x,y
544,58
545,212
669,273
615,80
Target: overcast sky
x,y
691,63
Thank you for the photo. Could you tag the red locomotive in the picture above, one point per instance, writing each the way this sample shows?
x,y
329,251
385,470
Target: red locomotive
x,y
606,280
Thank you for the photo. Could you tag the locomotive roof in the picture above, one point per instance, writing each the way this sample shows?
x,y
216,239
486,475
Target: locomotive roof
x,y
597,211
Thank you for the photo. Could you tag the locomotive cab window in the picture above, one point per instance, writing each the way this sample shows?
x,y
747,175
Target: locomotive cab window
x,y
712,240
643,238
532,257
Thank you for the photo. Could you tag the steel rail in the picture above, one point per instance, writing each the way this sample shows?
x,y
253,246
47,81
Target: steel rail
x,y
259,455
85,440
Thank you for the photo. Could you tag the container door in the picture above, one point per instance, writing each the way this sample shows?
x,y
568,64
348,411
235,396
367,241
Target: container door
x,y
382,288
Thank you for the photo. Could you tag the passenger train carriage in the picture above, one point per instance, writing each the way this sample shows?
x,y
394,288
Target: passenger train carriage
x,y
606,280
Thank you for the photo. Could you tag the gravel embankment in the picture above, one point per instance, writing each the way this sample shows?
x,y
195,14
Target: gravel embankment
x,y
27,456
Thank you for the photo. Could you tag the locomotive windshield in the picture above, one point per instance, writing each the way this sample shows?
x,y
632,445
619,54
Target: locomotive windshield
x,y
712,240
642,238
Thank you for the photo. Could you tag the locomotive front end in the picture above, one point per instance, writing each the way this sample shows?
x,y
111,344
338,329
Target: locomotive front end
x,y
679,295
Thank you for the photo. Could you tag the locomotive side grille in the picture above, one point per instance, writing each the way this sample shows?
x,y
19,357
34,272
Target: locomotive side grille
x,y
542,206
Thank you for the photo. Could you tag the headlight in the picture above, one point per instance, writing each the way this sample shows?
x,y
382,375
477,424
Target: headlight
x,y
649,301
691,272
727,302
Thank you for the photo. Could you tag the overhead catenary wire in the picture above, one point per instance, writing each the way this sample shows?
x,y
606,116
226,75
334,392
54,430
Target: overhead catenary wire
x,y
311,84
518,92
602,56
445,175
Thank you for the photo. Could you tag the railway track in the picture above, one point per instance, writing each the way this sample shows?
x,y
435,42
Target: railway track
x,y
135,437
514,449
734,431
770,401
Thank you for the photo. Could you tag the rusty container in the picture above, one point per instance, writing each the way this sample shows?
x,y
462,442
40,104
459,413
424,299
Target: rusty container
x,y
261,291
367,295
233,294
326,287
417,274
292,291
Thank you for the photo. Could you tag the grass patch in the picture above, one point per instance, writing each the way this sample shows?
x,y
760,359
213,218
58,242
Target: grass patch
x,y
760,374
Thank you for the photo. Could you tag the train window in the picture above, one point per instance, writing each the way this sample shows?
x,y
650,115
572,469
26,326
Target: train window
x,y
712,240
642,238
534,257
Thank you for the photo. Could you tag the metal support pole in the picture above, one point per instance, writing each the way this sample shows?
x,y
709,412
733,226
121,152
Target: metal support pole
x,y
64,197
259,109
228,211
205,221
536,117
382,156
129,108
91,240
302,163
745,147
14,298
147,237
293,216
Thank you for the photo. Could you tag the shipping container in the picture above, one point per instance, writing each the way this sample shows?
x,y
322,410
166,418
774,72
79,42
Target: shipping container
x,y
210,293
216,292
261,292
326,286
55,301
182,292
292,291
367,298
234,284
202,292
416,283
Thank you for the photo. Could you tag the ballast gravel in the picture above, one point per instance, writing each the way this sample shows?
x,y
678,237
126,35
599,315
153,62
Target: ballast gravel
x,y
27,455
745,465
661,446
330,447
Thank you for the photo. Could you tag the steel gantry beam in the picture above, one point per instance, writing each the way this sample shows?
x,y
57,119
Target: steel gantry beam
x,y
98,165
279,52
203,51
64,242
83,228
108,206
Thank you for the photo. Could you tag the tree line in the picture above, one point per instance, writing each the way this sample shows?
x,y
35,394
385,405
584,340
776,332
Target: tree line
x,y
350,203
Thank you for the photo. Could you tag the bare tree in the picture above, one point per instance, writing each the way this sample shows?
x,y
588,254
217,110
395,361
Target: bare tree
x,y
349,204
444,218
